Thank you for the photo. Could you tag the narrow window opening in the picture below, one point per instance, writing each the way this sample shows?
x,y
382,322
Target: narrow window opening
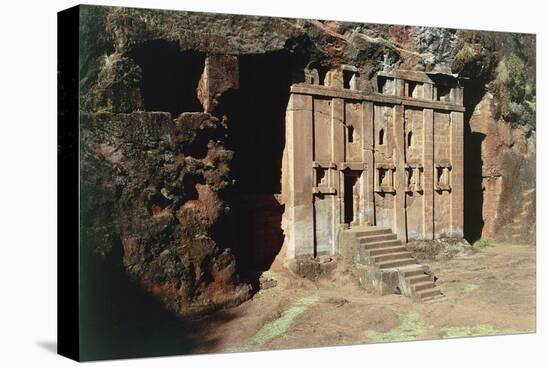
x,y
322,74
386,85
381,137
409,139
348,76
410,179
381,177
440,175
321,177
381,81
350,134
412,92
443,93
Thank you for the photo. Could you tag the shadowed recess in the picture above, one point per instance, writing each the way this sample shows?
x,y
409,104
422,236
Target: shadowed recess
x,y
256,121
473,165
120,320
169,76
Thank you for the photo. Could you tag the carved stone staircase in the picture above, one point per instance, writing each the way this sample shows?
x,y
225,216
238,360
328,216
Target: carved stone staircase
x,y
387,266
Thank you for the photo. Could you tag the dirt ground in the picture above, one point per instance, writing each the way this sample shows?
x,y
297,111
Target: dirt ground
x,y
489,292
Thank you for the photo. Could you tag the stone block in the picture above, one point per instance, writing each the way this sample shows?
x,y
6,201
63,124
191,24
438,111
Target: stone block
x,y
379,282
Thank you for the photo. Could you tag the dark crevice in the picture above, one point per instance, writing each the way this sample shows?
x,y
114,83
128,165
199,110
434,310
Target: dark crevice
x,y
169,76
157,203
474,90
190,183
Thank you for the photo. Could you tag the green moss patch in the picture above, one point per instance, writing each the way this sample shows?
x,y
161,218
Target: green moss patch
x,y
411,328
481,244
470,287
474,330
279,326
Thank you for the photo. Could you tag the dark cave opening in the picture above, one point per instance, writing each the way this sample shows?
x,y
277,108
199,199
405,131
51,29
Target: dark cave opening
x,y
169,77
474,89
256,130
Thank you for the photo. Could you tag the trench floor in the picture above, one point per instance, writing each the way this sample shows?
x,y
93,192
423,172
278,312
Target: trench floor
x,y
490,292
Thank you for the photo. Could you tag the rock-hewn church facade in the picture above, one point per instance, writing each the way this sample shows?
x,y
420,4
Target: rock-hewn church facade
x,y
391,159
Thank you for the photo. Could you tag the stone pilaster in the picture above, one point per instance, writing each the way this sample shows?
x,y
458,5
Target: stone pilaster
x,y
337,155
400,227
299,135
368,160
428,182
457,174
427,91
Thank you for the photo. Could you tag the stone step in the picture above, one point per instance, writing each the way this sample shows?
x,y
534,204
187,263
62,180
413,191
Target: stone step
x,y
371,232
377,238
387,250
434,299
418,278
396,263
394,256
430,292
413,271
424,285
381,244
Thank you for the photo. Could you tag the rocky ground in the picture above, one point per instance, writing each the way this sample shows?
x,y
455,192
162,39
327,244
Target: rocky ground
x,y
488,292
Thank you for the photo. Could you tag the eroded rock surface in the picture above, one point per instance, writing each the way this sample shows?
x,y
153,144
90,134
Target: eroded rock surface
x,y
147,187
508,176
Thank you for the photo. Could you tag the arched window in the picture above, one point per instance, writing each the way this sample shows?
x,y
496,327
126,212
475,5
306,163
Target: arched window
x,y
409,139
381,137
